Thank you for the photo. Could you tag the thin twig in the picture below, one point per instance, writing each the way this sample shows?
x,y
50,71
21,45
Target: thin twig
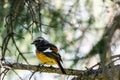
x,y
5,74
17,74
19,50
32,75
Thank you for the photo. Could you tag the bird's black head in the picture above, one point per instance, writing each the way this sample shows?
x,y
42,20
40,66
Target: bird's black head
x,y
40,43
38,40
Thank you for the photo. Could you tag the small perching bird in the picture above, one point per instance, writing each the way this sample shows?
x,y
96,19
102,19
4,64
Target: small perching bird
x,y
47,53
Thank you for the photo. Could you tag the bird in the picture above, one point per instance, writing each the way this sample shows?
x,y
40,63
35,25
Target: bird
x,y
48,53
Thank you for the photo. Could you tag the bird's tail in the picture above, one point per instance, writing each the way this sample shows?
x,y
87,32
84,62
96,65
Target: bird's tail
x,y
61,68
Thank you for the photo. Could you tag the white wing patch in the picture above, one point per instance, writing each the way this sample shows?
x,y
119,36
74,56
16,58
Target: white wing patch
x,y
48,50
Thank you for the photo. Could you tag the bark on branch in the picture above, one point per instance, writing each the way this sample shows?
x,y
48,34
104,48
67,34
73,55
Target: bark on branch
x,y
83,74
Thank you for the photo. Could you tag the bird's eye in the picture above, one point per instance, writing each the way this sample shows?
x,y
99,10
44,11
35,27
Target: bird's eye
x,y
38,41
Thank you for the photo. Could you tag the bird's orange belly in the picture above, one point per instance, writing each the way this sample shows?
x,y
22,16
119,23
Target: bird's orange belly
x,y
44,59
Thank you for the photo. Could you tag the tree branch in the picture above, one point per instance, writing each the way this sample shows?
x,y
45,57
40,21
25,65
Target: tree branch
x,y
40,68
89,73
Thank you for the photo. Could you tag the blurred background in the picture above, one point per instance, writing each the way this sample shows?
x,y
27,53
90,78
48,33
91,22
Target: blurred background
x,y
74,26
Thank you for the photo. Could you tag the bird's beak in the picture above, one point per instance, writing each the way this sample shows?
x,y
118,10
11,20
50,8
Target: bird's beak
x,y
33,43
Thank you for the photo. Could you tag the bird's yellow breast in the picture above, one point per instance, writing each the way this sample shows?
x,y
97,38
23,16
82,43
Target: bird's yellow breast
x,y
44,59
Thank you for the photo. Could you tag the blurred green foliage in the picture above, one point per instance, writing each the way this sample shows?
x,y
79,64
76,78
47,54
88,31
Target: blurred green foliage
x,y
66,26
72,27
